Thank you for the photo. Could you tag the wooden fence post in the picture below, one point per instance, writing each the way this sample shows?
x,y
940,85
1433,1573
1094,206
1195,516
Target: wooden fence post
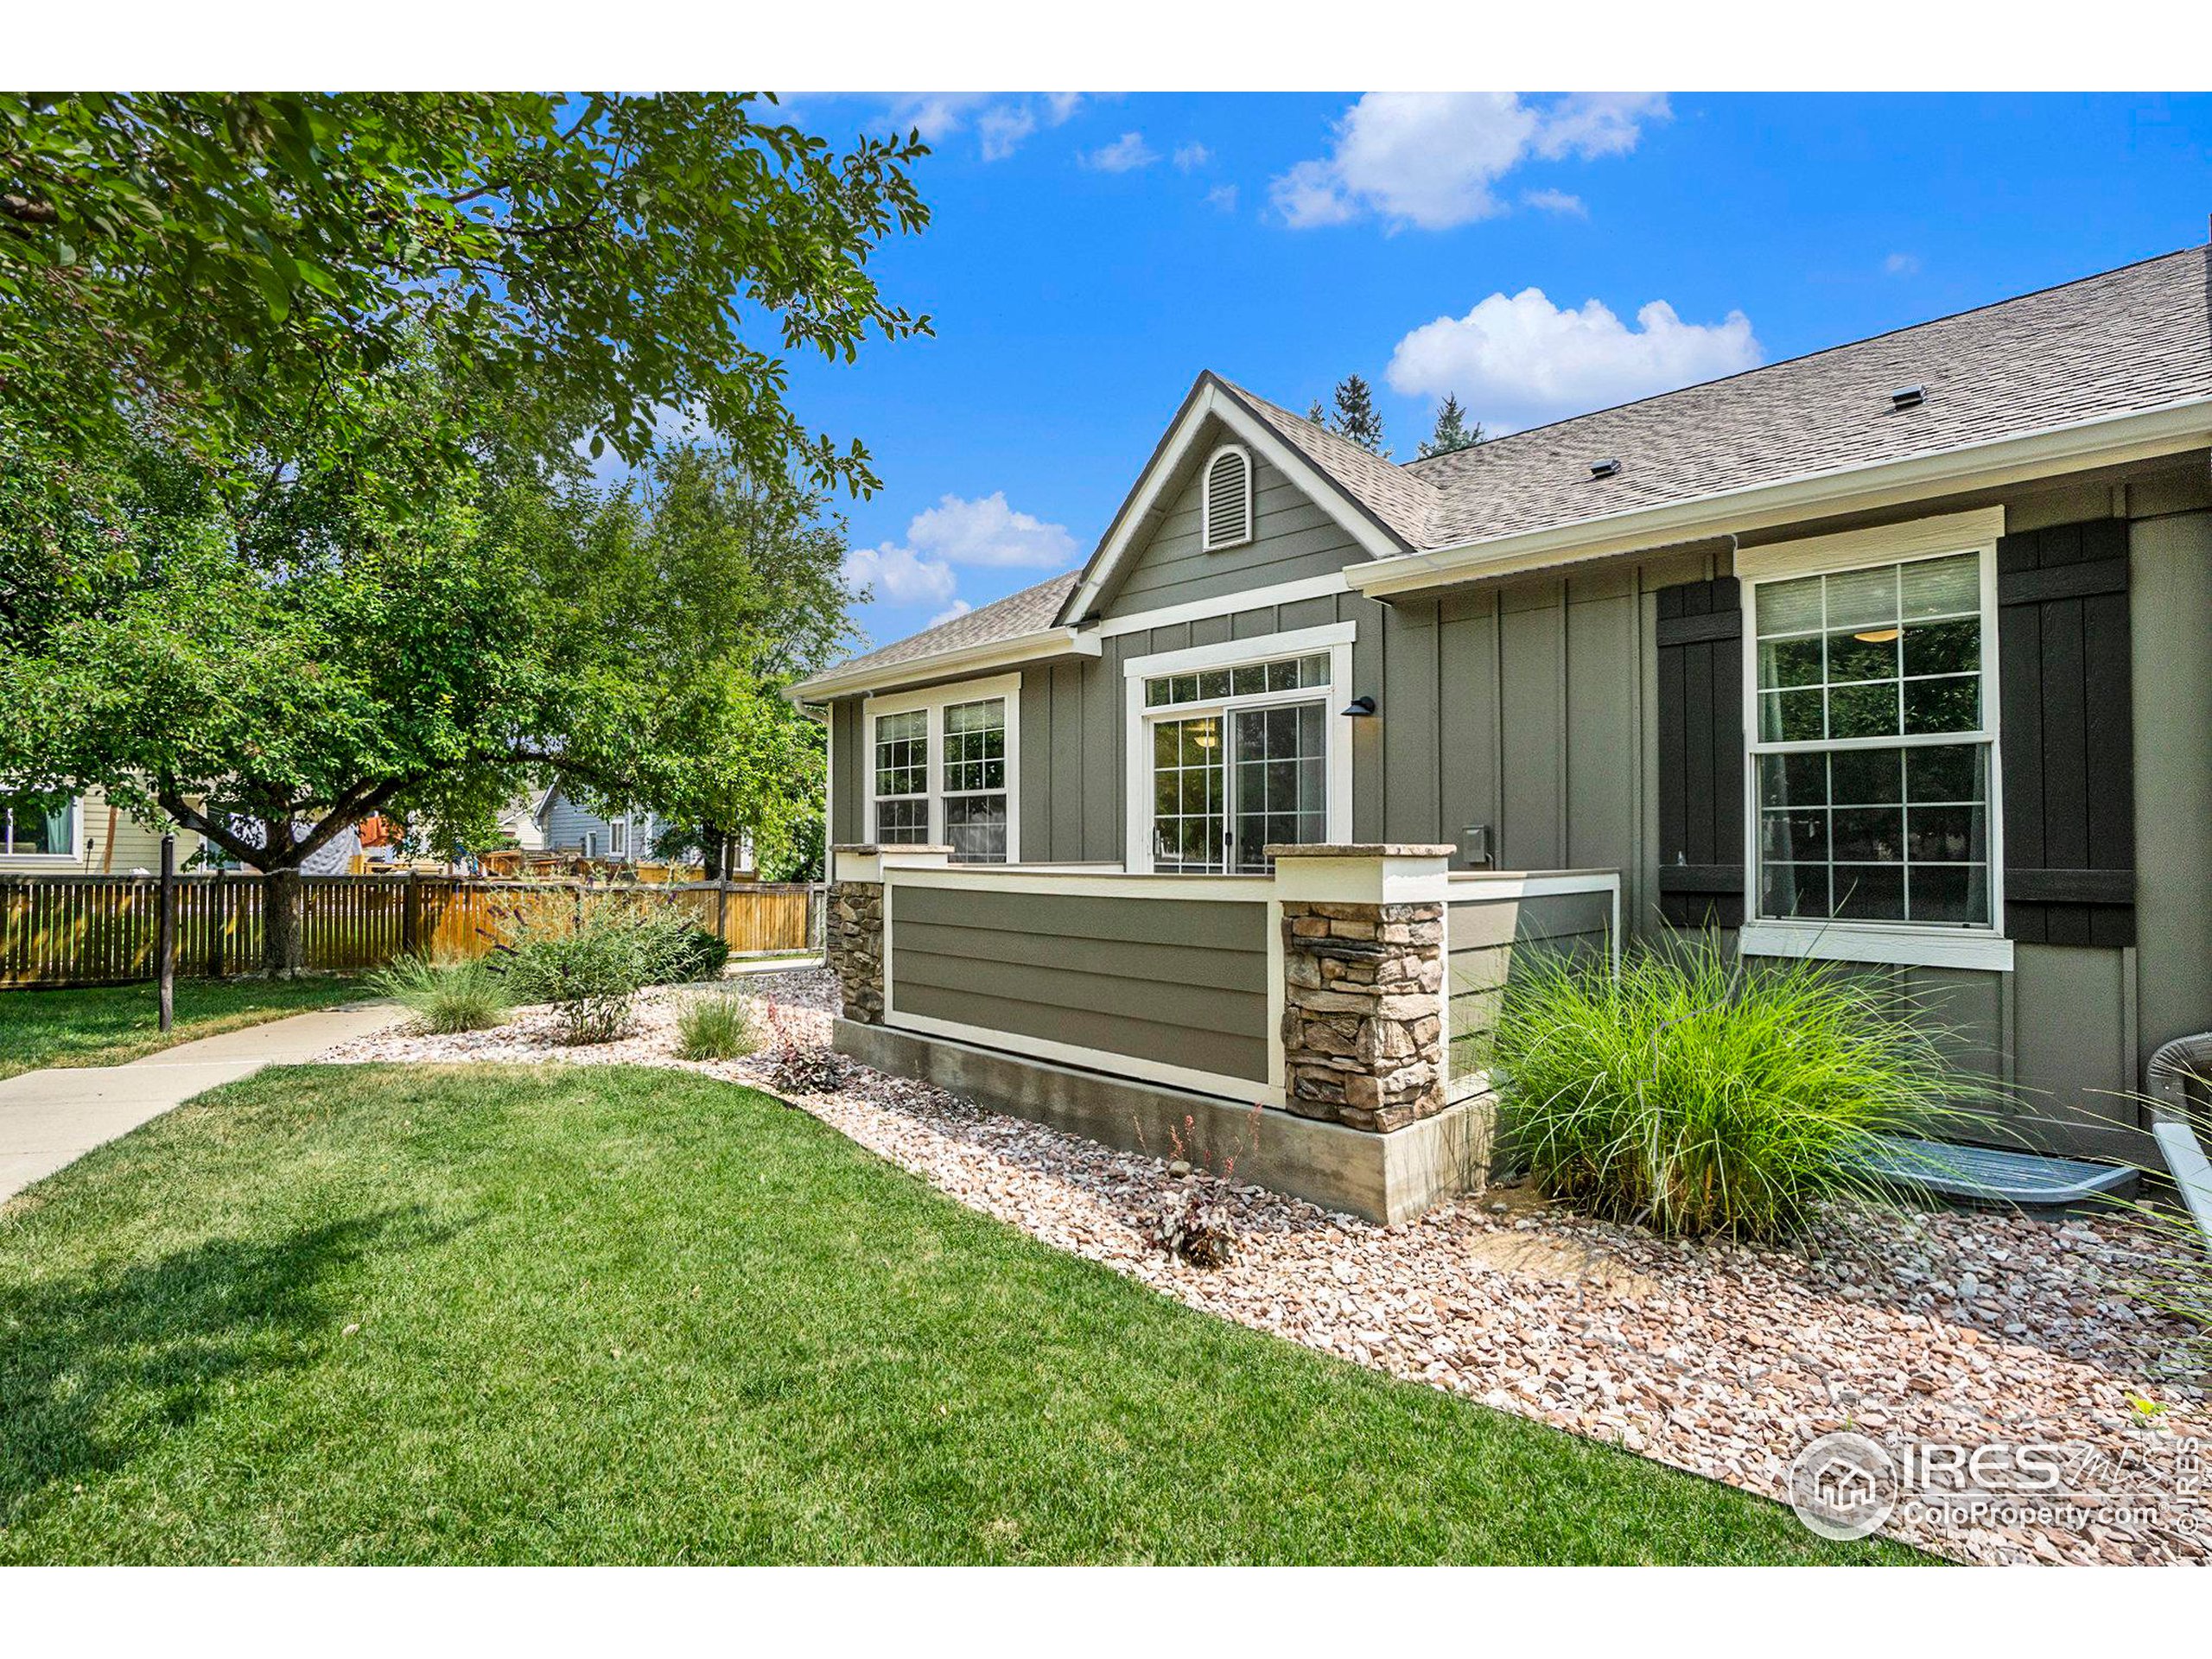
x,y
165,933
721,908
410,917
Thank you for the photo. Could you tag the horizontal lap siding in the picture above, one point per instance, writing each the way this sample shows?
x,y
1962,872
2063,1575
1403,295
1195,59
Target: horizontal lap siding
x,y
1181,981
1485,937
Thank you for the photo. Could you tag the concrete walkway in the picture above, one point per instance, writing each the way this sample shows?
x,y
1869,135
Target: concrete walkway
x,y
54,1117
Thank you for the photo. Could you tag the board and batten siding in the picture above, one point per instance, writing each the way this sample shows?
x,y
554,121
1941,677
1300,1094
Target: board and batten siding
x,y
1181,982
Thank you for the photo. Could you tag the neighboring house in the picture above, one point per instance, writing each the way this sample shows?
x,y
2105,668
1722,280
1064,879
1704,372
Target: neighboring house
x,y
566,825
77,834
563,824
1898,654
522,819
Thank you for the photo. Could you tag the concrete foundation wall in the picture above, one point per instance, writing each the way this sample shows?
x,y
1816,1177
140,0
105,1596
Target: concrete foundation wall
x,y
1382,1177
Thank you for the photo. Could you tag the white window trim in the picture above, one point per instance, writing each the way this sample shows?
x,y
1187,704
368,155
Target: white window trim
x,y
1206,542
1335,638
41,861
934,701
1904,944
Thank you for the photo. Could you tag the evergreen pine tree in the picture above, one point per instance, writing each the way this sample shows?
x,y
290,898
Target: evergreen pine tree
x,y
1356,418
1316,414
1453,431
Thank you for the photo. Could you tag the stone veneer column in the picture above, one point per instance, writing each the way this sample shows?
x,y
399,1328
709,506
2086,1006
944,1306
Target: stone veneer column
x,y
1364,966
853,936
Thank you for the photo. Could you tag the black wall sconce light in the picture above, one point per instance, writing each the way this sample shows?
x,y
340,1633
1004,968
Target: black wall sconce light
x,y
1360,707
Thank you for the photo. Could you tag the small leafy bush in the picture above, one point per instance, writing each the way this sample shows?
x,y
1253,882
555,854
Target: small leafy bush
x,y
690,952
715,1027
1698,1096
590,967
446,997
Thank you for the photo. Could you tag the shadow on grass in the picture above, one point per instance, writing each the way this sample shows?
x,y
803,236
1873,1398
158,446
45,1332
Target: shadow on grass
x,y
93,1366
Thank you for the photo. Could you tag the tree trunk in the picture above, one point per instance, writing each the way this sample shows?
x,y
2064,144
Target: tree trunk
x,y
712,853
281,956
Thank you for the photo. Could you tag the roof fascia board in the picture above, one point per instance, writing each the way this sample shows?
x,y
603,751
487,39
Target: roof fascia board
x,y
2110,440
1211,399
1039,646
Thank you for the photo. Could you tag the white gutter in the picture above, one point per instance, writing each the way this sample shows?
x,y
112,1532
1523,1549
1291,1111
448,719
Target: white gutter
x,y
959,662
2109,440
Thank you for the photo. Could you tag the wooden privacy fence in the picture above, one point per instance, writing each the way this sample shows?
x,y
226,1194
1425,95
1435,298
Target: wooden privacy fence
x,y
99,929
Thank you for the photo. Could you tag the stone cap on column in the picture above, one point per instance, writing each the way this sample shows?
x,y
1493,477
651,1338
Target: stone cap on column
x,y
1357,873
864,861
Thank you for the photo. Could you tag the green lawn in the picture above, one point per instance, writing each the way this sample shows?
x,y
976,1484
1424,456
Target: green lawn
x,y
109,1024
616,1314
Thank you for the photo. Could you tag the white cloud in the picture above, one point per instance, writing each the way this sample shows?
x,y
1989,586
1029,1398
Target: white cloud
x,y
987,531
1190,157
936,116
1430,159
1003,127
1522,360
898,575
1902,264
1590,124
1556,201
1125,155
1000,124
1223,196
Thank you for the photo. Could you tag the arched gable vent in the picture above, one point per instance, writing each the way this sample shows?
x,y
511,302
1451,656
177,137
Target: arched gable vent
x,y
1228,509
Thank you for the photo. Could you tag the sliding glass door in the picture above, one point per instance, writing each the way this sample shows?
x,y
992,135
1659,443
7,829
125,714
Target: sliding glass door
x,y
1218,805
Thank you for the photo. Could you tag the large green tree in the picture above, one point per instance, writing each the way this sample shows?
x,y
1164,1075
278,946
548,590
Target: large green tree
x,y
227,263
269,670
708,589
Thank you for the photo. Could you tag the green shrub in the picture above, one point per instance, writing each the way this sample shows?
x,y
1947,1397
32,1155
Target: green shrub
x,y
590,969
716,1027
690,952
1696,1095
446,996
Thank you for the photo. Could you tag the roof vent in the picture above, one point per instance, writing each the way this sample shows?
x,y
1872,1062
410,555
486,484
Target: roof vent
x,y
1911,397
1227,507
1605,468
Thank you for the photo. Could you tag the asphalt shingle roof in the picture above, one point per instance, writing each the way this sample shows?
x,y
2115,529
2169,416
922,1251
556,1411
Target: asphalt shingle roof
x,y
2128,340
2134,338
1030,611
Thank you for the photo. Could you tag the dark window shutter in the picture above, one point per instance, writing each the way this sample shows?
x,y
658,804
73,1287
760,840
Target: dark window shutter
x,y
1701,754
2067,735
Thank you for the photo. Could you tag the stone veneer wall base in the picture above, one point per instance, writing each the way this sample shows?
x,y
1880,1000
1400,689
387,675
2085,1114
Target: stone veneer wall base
x,y
1382,1178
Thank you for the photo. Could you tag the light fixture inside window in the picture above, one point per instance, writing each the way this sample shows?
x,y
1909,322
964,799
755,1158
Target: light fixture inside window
x,y
1878,636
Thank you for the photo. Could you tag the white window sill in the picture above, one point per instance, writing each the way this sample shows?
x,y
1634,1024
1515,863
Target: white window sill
x,y
1912,947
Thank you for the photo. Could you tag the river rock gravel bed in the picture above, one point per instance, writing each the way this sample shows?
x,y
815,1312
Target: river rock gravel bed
x,y
1957,1328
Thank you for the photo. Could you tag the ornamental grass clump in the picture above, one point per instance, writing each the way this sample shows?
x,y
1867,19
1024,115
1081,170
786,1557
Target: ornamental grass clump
x,y
1698,1096
717,1026
446,997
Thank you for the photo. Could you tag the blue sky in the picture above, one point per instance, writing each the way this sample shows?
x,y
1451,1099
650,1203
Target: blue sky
x,y
1088,257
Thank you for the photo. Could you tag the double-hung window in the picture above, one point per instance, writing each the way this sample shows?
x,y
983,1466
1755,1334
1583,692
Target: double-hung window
x,y
1873,749
975,780
943,770
902,777
1236,749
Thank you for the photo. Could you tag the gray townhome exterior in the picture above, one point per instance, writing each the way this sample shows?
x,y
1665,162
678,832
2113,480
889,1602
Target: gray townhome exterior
x,y
1897,654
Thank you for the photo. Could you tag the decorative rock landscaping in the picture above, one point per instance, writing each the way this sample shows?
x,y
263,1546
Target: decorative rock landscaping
x,y
1965,1328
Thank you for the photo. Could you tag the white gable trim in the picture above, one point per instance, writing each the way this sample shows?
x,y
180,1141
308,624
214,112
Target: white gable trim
x,y
1137,517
